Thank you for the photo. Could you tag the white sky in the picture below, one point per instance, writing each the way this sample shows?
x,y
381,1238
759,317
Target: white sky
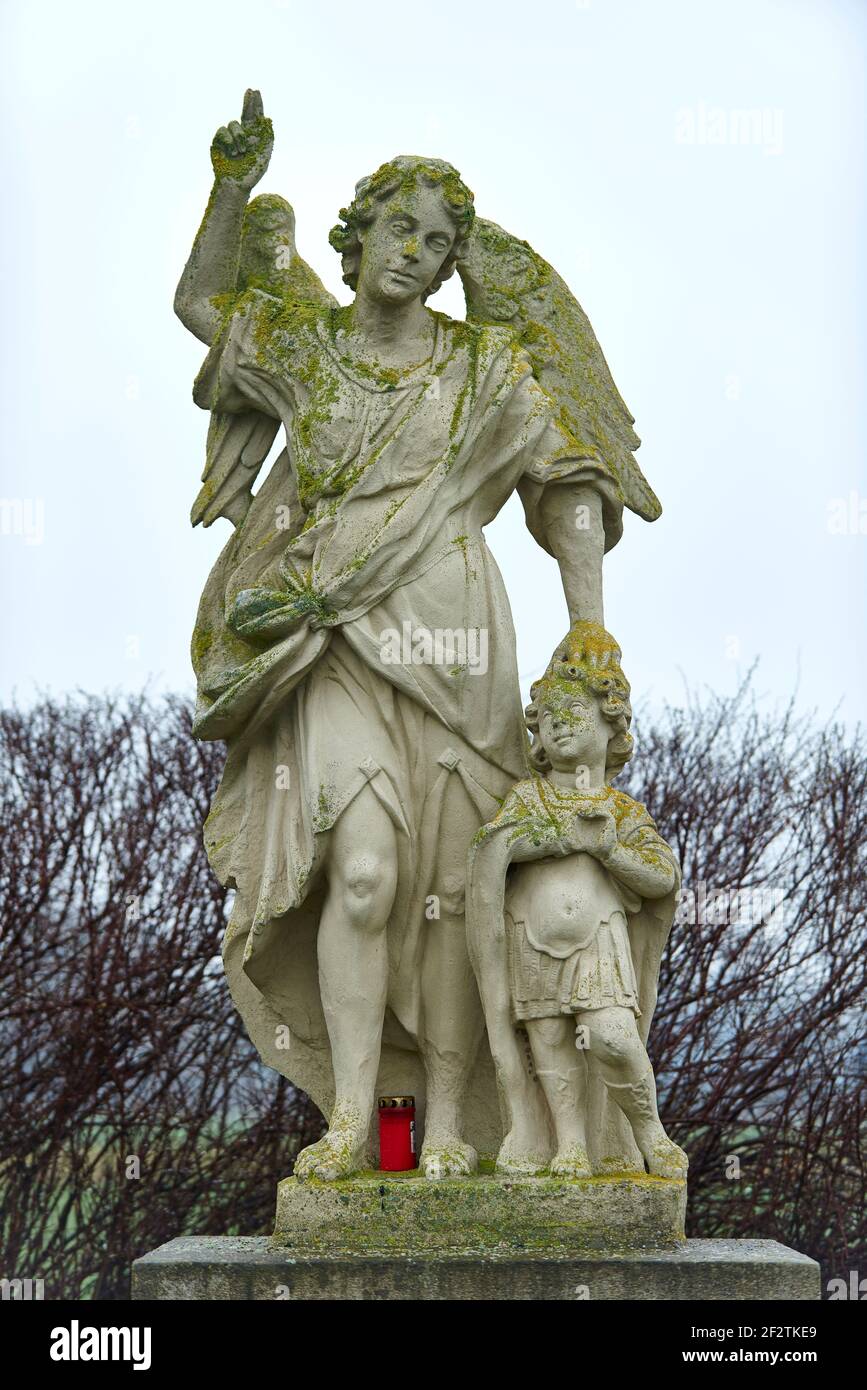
x,y
725,281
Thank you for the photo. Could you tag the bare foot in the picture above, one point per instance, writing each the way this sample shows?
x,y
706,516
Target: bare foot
x,y
572,1162
451,1159
519,1157
616,1165
339,1152
663,1157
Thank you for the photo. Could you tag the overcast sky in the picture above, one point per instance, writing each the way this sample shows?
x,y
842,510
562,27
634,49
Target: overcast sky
x,y
695,171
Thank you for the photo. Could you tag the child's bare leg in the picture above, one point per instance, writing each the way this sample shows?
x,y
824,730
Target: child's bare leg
x,y
625,1068
562,1072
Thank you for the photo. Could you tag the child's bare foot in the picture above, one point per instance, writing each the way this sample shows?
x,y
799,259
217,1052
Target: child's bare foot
x,y
637,1100
453,1159
520,1157
571,1162
663,1157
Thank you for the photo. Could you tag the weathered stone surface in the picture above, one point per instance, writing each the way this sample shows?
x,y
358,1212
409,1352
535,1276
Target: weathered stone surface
x,y
247,1268
354,649
379,1212
427,904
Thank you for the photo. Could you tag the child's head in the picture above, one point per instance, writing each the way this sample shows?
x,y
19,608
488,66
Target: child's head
x,y
267,244
580,708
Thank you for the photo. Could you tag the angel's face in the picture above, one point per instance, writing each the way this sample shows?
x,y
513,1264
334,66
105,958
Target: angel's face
x,y
404,247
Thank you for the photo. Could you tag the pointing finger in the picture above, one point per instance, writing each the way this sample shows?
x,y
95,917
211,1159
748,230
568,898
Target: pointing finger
x,y
253,108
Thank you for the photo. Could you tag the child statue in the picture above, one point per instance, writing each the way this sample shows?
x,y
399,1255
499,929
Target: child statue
x,y
571,898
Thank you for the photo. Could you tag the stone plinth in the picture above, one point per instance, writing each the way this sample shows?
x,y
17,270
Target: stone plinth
x,y
404,1212
249,1268
396,1237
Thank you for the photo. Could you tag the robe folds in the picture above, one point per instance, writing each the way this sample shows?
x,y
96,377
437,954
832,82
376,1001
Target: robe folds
x,y
367,531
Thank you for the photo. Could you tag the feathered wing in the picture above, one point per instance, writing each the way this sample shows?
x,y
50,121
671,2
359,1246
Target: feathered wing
x,y
506,282
237,447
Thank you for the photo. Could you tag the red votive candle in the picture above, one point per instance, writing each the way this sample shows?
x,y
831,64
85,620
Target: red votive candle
x,y
397,1134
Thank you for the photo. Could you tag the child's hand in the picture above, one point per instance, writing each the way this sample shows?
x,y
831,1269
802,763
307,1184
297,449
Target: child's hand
x,y
593,831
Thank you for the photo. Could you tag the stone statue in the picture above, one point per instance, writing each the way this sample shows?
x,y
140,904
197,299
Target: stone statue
x,y
354,645
571,898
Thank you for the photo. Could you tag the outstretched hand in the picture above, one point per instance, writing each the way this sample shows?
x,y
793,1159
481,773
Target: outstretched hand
x,y
241,151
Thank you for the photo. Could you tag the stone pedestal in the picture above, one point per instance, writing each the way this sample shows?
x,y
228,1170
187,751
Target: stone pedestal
x,y
404,1212
399,1237
249,1268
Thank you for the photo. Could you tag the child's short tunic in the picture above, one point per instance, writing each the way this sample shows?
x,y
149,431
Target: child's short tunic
x,y
575,961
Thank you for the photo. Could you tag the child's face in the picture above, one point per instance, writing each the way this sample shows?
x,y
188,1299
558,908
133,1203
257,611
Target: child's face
x,y
267,245
573,730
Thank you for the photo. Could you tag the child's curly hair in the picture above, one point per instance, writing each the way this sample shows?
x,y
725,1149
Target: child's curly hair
x,y
403,172
589,657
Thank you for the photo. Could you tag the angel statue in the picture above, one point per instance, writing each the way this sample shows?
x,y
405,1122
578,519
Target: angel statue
x,y
354,781
571,896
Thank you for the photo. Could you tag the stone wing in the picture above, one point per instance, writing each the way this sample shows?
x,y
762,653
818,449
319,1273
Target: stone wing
x,y
237,447
506,282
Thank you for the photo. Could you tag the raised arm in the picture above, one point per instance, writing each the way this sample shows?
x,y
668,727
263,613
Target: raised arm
x,y
240,153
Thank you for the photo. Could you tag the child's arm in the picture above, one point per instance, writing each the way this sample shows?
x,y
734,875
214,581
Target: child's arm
x,y
643,863
526,830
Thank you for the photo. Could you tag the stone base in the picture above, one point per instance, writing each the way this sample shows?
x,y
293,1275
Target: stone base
x,y
249,1268
380,1236
378,1213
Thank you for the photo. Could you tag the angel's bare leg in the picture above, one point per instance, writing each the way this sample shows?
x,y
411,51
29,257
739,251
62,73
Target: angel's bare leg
x,y
625,1067
452,1022
353,975
452,1031
562,1071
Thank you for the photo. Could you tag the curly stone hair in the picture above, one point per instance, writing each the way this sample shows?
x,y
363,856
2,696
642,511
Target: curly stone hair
x,y
589,657
403,172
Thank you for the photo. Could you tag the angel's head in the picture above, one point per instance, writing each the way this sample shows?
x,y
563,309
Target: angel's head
x,y
580,710
405,229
